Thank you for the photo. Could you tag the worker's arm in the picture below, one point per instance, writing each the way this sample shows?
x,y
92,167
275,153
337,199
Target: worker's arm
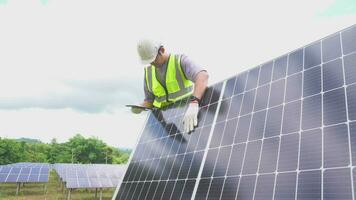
x,y
200,85
190,119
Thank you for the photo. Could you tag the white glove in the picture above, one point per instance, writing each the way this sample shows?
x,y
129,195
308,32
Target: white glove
x,y
136,110
190,118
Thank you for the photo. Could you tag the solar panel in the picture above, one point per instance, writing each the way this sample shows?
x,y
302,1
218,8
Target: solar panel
x,y
90,175
284,130
15,174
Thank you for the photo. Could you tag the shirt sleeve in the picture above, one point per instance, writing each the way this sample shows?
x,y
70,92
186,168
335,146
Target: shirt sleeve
x,y
148,95
190,68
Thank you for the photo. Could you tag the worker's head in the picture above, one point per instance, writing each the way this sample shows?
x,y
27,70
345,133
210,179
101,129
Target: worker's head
x,y
151,52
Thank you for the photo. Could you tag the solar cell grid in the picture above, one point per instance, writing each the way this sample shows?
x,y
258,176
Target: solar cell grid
x,y
283,130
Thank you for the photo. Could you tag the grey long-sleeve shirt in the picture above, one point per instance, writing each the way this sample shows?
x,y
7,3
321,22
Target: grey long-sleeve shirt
x,y
190,69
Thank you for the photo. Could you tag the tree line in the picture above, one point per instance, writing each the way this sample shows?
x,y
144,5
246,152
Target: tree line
x,y
78,149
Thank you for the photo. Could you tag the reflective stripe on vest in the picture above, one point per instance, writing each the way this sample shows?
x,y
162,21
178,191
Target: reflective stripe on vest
x,y
178,87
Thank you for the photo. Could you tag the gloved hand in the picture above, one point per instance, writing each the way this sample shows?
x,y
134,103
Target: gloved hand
x,y
190,118
136,110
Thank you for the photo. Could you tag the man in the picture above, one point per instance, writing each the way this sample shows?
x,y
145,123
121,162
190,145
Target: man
x,y
169,78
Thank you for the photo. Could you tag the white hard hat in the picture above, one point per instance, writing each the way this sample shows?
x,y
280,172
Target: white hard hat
x,y
148,50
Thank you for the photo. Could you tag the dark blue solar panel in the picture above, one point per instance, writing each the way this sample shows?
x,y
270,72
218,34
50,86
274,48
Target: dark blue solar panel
x,y
312,55
309,185
265,73
229,88
311,112
294,88
262,97
311,149
277,93
312,81
351,101
215,188
217,134
224,110
288,153
269,155
273,123
291,117
264,187
350,68
188,189
336,148
230,188
242,129
229,132
235,106
222,161
252,78
349,40
248,101
203,188
210,159
295,62
337,184
178,189
331,47
240,83
23,178
286,186
334,107
280,68
12,178
252,156
3,177
237,156
283,130
257,125
332,75
245,190
353,140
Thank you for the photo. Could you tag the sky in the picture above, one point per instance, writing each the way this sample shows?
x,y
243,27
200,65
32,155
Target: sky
x,y
70,66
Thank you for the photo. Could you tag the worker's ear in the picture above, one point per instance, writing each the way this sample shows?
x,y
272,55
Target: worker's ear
x,y
161,50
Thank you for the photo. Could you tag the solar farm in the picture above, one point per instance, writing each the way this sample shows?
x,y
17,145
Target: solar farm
x,y
97,177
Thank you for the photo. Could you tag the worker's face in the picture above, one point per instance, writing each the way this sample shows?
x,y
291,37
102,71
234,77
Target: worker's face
x,y
160,59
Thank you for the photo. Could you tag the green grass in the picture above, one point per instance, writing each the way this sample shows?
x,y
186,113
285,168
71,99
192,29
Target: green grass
x,y
35,191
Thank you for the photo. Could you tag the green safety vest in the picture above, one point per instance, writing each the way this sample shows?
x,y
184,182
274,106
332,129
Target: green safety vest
x,y
177,85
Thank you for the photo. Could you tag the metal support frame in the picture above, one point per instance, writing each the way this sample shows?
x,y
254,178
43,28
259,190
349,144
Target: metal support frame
x,y
45,188
18,188
68,196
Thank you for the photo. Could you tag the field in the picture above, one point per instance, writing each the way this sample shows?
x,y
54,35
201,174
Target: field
x,y
35,191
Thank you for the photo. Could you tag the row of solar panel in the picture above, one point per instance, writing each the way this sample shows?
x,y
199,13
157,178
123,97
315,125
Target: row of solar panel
x,y
289,185
10,174
90,176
